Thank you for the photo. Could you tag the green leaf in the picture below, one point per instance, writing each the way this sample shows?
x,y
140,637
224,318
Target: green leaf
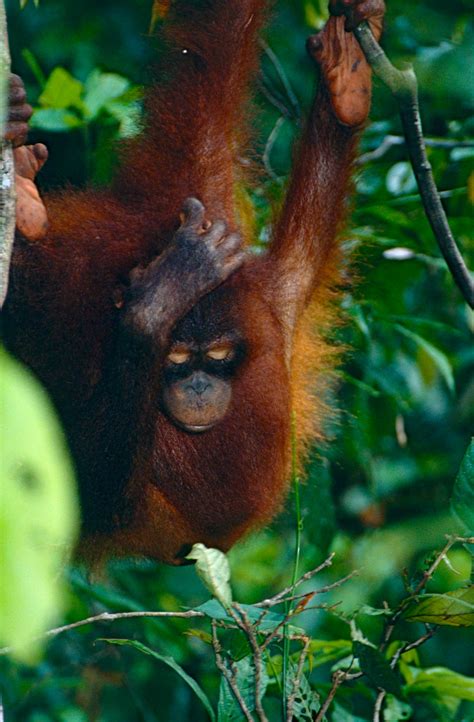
x,y
462,499
377,669
306,705
62,91
341,714
439,359
170,662
455,609
228,709
54,120
326,650
267,621
213,568
38,510
100,89
401,179
444,682
395,710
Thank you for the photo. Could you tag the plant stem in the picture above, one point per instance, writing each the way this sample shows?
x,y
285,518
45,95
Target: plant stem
x,y
404,87
295,483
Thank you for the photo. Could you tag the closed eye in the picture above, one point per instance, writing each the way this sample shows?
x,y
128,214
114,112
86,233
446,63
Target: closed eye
x,y
178,357
223,353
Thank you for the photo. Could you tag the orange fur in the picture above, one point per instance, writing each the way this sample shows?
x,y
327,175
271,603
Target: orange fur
x,y
148,487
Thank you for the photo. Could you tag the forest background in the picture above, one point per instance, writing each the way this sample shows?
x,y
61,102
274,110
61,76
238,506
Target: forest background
x,y
377,494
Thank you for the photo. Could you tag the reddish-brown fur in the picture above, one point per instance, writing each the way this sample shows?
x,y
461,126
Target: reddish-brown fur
x,y
147,486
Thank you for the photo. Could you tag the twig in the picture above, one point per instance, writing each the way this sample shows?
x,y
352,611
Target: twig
x,y
108,617
269,147
403,85
411,645
271,601
7,169
439,558
297,679
392,140
337,679
229,676
378,705
246,626
280,71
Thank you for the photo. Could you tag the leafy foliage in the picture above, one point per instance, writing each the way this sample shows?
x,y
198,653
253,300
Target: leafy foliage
x,y
38,510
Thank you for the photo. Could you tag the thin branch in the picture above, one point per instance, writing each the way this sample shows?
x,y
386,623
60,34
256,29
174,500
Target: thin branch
x,y
7,168
297,679
246,626
378,705
403,85
411,645
280,71
439,558
108,617
227,674
337,679
393,140
271,601
269,147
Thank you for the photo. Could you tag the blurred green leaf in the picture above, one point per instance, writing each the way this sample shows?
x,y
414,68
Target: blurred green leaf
x,y
395,710
100,88
401,179
439,359
54,120
454,609
62,91
328,650
170,662
443,682
38,510
462,499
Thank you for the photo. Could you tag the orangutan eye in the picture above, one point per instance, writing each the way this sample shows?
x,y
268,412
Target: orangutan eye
x,y
220,353
178,357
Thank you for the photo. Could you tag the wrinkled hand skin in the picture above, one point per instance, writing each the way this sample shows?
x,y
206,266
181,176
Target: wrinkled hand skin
x,y
202,255
345,70
31,217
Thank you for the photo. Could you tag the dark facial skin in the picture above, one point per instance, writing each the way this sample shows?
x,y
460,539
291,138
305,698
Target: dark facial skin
x,y
204,355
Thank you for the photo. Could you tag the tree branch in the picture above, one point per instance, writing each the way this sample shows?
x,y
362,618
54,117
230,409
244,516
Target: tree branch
x,y
7,168
403,85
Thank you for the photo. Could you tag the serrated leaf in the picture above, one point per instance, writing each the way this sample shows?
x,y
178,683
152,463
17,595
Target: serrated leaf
x,y
228,709
462,499
212,566
377,669
38,509
455,609
170,662
62,91
306,704
444,682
